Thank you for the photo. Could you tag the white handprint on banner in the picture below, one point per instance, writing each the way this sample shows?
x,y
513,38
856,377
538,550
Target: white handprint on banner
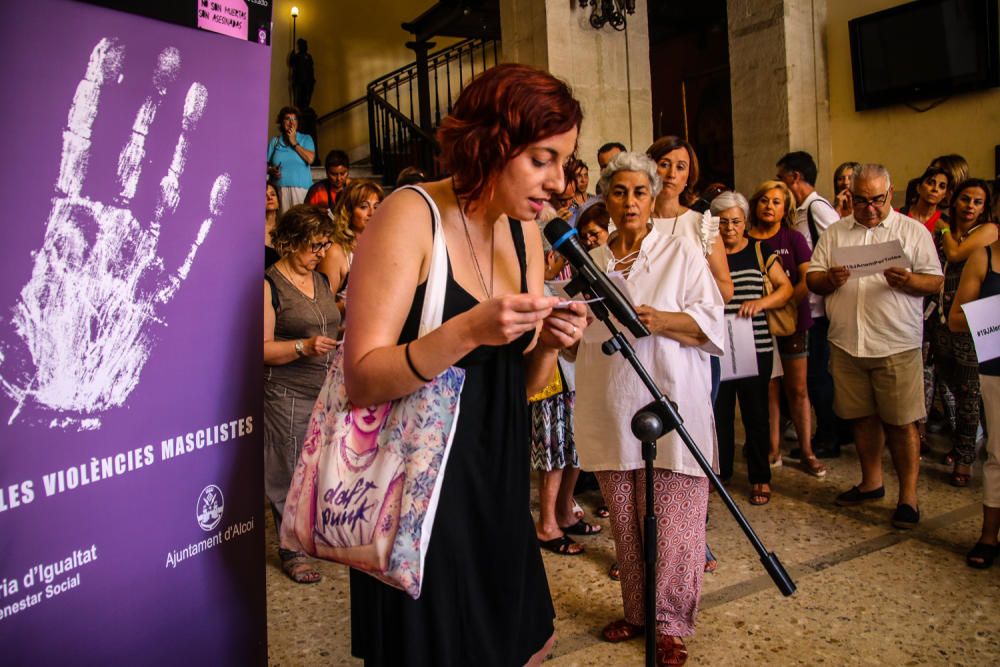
x,y
85,313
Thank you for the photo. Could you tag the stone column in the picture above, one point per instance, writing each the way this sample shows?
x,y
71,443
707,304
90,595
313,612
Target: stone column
x,y
779,87
608,70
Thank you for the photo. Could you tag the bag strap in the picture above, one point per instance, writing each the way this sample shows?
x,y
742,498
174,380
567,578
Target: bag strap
x,y
760,258
274,292
432,311
813,232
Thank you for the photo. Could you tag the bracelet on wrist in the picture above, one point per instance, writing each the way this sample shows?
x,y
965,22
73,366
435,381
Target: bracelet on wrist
x,y
409,362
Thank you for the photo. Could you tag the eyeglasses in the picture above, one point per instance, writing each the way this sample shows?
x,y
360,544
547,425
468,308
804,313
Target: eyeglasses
x,y
317,248
862,203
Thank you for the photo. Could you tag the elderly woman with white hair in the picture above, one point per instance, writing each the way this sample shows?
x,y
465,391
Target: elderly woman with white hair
x,y
746,257
676,297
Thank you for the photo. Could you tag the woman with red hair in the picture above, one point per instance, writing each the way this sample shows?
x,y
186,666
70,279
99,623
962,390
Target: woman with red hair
x,y
485,599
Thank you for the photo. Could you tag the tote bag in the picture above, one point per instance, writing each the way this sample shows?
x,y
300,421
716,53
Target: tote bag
x,y
366,487
780,321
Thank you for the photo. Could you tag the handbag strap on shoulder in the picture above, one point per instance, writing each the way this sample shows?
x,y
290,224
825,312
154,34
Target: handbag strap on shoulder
x,y
432,311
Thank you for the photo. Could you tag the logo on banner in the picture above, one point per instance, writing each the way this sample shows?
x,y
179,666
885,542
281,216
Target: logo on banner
x,y
210,507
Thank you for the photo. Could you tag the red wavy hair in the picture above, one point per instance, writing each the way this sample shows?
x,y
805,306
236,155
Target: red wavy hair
x,y
498,115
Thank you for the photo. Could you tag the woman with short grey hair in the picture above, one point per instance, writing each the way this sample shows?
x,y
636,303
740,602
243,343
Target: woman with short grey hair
x,y
676,298
636,162
748,260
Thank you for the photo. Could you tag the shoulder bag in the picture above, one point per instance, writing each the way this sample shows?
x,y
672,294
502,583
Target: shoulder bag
x,y
366,487
781,321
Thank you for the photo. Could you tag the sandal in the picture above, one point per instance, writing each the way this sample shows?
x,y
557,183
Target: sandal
x,y
621,630
603,512
812,466
561,545
581,527
959,478
711,562
950,458
759,496
299,569
615,572
982,555
577,510
670,651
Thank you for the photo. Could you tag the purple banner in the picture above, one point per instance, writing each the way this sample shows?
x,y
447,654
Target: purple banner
x,y
131,524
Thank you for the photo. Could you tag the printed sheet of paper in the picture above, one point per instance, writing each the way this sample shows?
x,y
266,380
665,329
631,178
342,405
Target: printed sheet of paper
x,y
984,323
740,360
867,260
597,331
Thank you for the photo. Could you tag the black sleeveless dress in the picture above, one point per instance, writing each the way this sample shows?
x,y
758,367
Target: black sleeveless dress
x,y
485,599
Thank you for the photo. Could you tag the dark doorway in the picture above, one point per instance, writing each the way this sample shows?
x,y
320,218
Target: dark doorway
x,y
689,68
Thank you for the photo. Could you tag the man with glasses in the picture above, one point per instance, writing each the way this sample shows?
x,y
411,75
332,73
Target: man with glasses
x,y
875,336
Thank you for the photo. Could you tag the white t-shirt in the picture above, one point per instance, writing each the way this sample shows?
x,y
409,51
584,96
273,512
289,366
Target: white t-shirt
x,y
824,215
868,318
669,276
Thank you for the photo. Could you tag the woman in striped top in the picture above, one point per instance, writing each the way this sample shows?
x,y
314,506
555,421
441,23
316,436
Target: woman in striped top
x,y
748,300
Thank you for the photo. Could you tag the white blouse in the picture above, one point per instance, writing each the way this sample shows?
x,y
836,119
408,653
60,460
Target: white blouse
x,y
701,228
670,274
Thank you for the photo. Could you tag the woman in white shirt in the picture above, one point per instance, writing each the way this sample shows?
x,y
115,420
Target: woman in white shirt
x,y
681,305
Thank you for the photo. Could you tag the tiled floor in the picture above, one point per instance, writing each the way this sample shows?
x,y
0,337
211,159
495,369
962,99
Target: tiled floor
x,y
867,593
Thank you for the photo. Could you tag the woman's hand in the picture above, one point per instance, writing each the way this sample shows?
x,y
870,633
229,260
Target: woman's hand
x,y
842,202
318,345
655,320
941,225
751,308
563,328
503,319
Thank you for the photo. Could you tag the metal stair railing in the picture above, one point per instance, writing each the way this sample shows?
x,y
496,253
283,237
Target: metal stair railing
x,y
395,119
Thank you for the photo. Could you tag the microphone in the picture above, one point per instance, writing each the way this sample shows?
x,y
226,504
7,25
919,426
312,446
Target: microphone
x,y
566,241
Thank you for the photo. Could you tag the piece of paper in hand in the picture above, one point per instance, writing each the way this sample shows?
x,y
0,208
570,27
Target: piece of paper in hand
x,y
740,360
618,280
867,260
558,288
984,324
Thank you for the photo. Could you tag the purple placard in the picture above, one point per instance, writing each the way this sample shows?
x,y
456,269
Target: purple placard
x,y
131,524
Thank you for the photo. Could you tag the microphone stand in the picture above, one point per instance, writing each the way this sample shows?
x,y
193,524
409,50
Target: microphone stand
x,y
652,422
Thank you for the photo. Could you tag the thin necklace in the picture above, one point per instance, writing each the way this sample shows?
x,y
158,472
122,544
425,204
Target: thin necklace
x,y
472,251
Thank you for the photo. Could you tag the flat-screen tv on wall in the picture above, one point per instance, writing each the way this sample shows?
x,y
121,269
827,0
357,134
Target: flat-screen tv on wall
x,y
924,49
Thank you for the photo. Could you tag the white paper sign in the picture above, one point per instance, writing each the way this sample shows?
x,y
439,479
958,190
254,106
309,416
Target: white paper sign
x,y
597,331
867,260
984,323
740,360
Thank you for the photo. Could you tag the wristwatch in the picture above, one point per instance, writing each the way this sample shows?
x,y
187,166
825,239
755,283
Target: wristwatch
x,y
300,348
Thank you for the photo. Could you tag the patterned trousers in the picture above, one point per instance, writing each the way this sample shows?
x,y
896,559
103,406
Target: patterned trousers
x,y
681,502
957,369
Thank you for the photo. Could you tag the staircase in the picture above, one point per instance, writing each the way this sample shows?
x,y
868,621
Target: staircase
x,y
403,116
406,106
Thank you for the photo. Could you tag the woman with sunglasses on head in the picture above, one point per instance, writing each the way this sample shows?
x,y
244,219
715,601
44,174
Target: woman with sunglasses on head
x,y
772,219
300,326
485,599
955,364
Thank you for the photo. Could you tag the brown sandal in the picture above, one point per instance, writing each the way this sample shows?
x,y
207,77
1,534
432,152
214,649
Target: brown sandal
x,y
300,570
961,479
621,630
758,496
670,651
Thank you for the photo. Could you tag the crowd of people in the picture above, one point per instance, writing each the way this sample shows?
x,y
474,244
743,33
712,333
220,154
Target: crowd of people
x,y
875,360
